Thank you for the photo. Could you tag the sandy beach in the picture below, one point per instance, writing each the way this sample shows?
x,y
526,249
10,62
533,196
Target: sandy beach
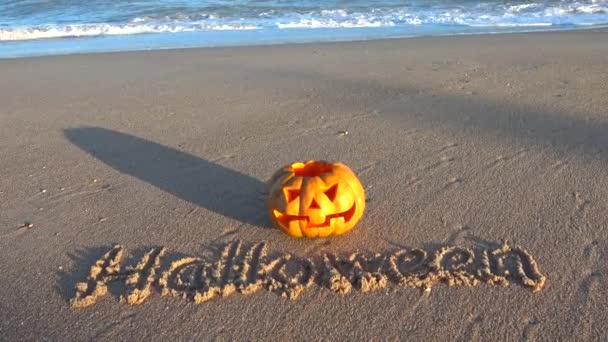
x,y
462,141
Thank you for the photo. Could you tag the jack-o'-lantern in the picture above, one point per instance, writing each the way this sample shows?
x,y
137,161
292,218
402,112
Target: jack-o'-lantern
x,y
315,199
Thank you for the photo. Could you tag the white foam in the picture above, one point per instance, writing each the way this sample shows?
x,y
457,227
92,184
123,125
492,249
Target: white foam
x,y
330,23
521,8
89,30
592,9
534,14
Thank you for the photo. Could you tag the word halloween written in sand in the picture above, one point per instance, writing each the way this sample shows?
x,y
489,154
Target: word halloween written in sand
x,y
247,268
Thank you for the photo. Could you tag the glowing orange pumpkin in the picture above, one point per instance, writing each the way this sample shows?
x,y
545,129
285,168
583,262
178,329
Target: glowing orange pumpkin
x,y
315,199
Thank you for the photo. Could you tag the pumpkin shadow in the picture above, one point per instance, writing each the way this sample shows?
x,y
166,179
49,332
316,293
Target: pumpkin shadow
x,y
201,182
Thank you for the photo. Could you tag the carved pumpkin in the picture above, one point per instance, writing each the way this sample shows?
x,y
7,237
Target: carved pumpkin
x,y
315,199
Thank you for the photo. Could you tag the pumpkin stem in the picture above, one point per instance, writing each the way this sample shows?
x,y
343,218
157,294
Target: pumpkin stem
x,y
311,168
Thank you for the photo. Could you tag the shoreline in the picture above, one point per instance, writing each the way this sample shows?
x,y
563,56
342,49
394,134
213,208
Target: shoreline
x,y
276,42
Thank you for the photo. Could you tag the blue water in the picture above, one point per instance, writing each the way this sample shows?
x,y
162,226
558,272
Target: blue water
x,y
43,27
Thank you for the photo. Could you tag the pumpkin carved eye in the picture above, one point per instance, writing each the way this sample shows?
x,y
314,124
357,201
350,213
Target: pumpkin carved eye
x,y
332,192
292,194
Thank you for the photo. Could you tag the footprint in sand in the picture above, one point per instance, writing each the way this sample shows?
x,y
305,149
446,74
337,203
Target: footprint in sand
x,y
448,147
586,298
472,331
502,159
530,331
578,217
588,294
443,161
368,167
459,234
429,170
108,328
559,166
453,182
223,157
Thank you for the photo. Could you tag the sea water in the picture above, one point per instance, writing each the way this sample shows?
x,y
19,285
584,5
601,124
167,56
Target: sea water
x,y
44,27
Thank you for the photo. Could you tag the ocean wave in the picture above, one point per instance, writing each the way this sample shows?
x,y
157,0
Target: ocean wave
x,y
522,8
91,30
291,14
332,23
522,15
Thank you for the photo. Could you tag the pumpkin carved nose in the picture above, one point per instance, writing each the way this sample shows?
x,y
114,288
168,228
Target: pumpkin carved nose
x,y
314,205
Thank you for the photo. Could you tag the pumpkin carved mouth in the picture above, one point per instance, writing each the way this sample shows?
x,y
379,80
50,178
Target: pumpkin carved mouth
x,y
346,216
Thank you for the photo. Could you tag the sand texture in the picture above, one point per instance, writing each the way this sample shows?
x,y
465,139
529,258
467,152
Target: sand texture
x,y
132,190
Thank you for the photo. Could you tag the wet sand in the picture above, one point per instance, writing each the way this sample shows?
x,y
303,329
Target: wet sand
x,y
467,146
